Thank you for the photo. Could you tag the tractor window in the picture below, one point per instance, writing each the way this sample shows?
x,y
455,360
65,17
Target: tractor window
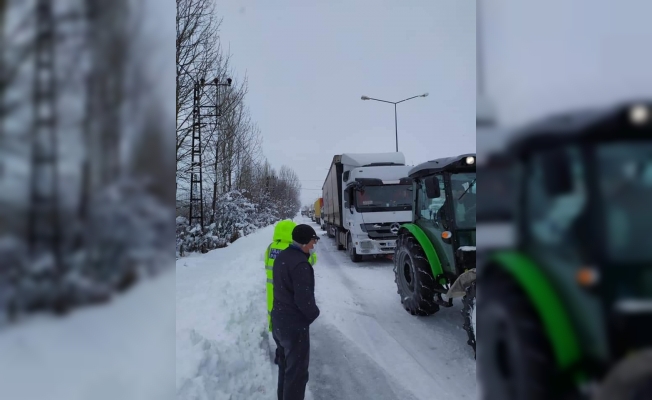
x,y
463,189
625,171
427,207
554,220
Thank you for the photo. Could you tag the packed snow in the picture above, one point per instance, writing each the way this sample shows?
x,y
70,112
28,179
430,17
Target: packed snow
x,y
364,345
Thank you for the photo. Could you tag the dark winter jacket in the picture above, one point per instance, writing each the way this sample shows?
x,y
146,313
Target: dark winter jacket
x,y
294,290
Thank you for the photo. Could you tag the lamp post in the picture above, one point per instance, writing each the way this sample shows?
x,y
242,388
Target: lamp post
x,y
395,114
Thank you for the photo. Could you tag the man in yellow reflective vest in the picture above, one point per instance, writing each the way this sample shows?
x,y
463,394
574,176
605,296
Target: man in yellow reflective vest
x,y
281,240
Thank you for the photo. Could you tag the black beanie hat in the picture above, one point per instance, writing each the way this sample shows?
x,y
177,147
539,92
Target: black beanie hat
x,y
303,234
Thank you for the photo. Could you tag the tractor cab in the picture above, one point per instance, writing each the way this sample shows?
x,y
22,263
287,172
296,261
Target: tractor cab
x,y
445,209
580,273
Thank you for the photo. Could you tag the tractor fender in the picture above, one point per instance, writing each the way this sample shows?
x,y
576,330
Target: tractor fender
x,y
544,299
426,245
458,288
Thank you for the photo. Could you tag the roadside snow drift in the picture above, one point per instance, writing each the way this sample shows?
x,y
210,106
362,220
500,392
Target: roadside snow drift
x,y
120,350
222,346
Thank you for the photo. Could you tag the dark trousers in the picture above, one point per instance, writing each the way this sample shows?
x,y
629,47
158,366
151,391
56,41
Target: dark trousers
x,y
294,357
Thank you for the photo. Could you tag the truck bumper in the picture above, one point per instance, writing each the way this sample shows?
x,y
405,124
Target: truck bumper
x,y
373,247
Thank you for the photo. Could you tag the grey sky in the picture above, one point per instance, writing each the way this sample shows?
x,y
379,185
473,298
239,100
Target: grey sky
x,y
308,64
547,56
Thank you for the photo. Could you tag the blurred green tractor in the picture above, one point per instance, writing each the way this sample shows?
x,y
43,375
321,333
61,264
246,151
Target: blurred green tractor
x,y
566,312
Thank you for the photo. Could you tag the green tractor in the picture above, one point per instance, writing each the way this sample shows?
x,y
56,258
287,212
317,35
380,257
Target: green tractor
x,y
567,310
435,253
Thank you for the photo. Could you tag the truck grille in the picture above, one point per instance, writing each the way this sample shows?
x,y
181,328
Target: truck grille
x,y
382,230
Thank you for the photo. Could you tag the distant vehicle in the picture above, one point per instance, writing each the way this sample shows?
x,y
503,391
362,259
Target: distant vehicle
x,y
317,206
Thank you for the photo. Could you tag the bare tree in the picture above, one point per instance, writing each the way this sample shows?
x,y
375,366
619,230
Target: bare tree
x,y
198,56
232,164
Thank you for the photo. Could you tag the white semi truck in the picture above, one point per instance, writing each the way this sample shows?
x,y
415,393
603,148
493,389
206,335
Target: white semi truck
x,y
366,199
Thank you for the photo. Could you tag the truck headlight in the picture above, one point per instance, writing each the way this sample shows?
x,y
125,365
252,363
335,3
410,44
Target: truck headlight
x,y
470,160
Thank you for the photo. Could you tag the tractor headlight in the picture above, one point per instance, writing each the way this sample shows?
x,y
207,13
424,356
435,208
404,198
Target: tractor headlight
x,y
639,115
470,160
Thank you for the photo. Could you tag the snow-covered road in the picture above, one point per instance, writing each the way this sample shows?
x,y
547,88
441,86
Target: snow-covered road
x,y
396,355
364,345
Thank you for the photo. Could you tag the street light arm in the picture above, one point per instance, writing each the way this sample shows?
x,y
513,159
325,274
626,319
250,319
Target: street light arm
x,y
413,97
371,98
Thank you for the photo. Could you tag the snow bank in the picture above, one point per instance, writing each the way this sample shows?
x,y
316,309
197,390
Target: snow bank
x,y
121,350
221,336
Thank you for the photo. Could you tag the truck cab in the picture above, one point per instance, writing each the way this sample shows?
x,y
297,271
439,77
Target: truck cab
x,y
366,199
375,208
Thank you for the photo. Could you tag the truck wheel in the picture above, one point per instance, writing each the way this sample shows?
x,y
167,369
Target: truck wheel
x,y
515,360
413,277
355,257
468,311
329,230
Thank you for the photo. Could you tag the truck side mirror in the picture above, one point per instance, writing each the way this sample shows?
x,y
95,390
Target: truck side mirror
x,y
557,173
432,187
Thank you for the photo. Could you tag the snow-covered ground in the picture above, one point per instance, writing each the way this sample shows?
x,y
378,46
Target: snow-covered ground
x,y
363,346
120,350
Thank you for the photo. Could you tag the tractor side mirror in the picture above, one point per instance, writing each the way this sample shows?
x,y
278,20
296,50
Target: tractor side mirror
x,y
432,187
557,173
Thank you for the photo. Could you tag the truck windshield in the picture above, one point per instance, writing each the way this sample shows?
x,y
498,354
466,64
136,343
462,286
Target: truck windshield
x,y
384,198
625,171
464,194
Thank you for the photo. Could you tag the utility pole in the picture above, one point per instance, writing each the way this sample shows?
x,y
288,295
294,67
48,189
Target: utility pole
x,y
44,229
196,214
196,177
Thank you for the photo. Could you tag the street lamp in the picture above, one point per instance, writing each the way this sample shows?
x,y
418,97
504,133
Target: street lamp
x,y
395,103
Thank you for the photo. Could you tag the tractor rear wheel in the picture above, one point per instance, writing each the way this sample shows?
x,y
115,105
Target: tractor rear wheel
x,y
413,277
515,360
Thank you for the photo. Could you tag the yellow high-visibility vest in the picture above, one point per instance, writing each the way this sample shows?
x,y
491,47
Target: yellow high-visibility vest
x,y
282,239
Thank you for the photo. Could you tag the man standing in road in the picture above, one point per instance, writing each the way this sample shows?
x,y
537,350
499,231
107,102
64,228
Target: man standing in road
x,y
281,240
293,312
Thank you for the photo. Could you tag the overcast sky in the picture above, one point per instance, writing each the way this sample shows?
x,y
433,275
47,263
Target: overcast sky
x,y
547,56
308,64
